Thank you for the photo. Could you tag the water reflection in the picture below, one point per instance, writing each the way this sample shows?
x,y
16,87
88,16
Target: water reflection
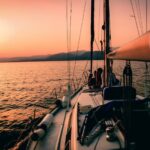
x,y
26,88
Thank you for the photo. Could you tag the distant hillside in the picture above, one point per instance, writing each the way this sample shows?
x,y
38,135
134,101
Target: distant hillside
x,y
81,55
97,55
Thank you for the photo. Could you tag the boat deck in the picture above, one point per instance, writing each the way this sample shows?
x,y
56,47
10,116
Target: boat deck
x,y
51,139
55,137
90,98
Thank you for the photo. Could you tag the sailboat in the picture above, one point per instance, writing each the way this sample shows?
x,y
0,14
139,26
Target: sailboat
x,y
112,117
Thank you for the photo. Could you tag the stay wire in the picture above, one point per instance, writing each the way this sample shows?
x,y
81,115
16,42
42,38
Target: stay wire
x,y
83,72
146,93
70,24
70,37
98,31
135,18
136,23
68,33
97,45
138,10
81,27
140,17
146,14
99,21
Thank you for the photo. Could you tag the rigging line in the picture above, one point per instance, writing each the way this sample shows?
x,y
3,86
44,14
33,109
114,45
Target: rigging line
x,y
98,37
67,36
146,14
70,24
83,15
93,100
137,5
146,74
146,65
99,21
102,38
97,45
95,147
97,54
83,72
140,17
70,34
135,18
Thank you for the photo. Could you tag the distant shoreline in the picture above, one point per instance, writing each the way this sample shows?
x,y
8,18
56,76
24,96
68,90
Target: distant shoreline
x,y
80,56
46,60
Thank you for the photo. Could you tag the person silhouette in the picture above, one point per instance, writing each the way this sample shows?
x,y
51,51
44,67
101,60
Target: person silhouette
x,y
99,77
92,81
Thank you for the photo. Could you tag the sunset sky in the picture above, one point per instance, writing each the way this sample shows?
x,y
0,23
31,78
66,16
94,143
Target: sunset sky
x,y
38,27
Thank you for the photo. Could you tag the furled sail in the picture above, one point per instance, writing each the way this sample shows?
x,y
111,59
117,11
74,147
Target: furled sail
x,y
138,50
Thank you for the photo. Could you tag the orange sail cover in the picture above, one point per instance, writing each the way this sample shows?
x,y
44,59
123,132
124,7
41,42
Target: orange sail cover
x,y
138,50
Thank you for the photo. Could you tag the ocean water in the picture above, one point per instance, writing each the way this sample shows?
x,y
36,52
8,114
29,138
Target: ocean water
x,y
26,90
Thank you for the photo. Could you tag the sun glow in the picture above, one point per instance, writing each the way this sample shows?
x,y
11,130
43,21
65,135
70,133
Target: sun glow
x,y
6,32
39,27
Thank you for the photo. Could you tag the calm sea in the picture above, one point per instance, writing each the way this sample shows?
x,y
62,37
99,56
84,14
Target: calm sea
x,y
27,87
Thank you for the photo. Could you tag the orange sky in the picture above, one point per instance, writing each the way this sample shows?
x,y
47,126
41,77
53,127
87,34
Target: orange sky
x,y
38,27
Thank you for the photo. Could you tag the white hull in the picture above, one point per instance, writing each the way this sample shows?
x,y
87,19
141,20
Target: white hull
x,y
63,133
55,138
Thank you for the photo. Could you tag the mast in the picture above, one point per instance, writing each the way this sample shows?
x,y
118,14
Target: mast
x,y
92,34
107,41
